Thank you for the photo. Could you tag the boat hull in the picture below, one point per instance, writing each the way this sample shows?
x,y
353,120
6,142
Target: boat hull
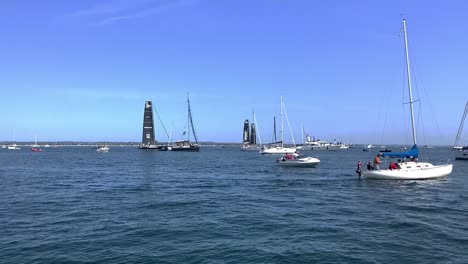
x,y
410,171
307,162
153,147
461,155
185,148
250,148
278,150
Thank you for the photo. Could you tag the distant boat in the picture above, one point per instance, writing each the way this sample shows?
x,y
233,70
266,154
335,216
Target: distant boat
x,y
35,145
279,149
148,140
249,137
412,169
102,148
367,148
187,145
36,149
13,146
461,152
427,147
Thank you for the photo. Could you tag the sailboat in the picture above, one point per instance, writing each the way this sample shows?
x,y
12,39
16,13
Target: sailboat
x,y
14,146
35,147
461,152
148,140
412,169
187,145
279,149
249,137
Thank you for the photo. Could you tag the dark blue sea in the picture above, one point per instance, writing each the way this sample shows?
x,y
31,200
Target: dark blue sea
x,y
222,205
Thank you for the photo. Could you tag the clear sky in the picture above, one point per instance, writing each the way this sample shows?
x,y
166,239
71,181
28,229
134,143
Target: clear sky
x,y
82,70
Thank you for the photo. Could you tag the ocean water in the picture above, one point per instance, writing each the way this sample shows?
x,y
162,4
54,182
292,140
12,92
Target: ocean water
x,y
221,205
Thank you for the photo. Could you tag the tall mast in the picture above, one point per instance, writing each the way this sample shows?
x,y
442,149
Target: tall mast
x,y
460,128
409,81
302,133
190,120
281,114
274,129
188,117
256,125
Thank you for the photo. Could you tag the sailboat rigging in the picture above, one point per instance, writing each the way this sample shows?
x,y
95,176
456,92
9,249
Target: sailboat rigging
x,y
14,146
461,152
412,169
148,140
279,149
249,140
187,145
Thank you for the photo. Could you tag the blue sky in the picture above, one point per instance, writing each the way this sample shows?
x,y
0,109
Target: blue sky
x,y
81,70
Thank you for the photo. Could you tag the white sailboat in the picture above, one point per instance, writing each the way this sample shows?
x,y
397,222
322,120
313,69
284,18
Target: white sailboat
x,y
35,145
408,170
279,149
461,152
14,146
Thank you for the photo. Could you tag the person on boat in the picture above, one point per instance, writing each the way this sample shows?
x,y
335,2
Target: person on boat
x,y
377,162
288,156
369,165
392,166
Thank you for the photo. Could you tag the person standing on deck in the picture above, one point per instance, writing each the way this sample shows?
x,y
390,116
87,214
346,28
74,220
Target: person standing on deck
x,y
377,162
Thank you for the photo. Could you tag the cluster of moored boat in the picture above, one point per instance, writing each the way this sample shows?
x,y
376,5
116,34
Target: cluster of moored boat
x,y
406,168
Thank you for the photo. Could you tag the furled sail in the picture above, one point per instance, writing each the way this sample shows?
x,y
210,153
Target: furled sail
x,y
412,153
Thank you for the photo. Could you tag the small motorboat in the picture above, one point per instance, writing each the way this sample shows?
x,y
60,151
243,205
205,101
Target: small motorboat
x,y
296,161
102,148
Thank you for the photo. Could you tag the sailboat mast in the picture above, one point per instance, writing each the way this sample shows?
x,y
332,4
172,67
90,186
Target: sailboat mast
x,y
274,128
409,81
302,133
460,128
256,125
281,114
188,117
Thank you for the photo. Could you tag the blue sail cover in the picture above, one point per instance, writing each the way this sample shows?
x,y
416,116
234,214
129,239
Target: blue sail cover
x,y
412,153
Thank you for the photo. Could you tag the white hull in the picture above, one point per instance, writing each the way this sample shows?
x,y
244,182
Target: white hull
x,y
14,147
314,147
278,150
461,155
250,148
102,149
308,162
410,171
